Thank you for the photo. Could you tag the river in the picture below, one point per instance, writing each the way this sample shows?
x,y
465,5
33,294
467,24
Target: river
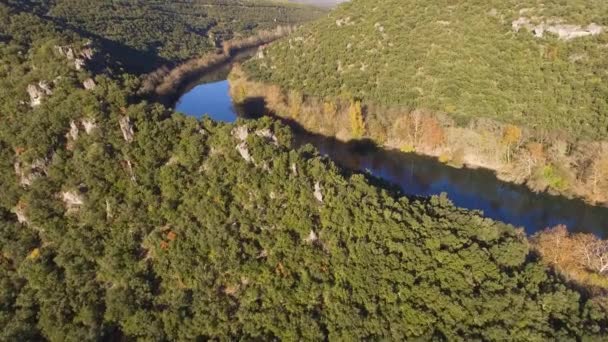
x,y
418,175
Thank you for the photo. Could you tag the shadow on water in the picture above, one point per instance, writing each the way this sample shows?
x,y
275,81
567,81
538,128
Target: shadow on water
x,y
477,189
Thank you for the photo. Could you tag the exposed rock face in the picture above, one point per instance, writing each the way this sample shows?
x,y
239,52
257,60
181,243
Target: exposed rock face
x,y
89,84
126,128
318,194
19,211
244,152
80,59
37,92
241,133
294,169
561,30
73,133
89,125
72,199
312,237
267,134
27,174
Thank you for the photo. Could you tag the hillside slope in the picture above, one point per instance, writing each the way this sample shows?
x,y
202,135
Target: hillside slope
x,y
145,34
539,64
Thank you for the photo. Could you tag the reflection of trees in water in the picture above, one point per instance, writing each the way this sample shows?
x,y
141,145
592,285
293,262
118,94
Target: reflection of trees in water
x,y
475,189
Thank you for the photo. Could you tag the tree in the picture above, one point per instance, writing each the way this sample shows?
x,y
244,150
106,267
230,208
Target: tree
x,y
511,138
357,124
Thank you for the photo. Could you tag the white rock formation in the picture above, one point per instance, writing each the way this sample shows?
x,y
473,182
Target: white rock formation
x,y
561,30
244,152
73,132
37,92
318,195
240,132
267,134
89,84
89,125
72,199
126,128
312,237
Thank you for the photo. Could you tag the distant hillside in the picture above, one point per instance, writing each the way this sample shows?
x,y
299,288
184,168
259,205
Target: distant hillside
x,y
145,34
533,63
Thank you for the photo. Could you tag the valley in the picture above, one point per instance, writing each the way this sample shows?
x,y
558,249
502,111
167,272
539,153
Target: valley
x,y
217,170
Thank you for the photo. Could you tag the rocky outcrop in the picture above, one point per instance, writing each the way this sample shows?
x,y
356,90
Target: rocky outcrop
x,y
72,200
267,134
79,59
19,211
37,92
244,152
126,128
89,84
89,125
241,133
28,173
73,132
312,237
556,27
318,195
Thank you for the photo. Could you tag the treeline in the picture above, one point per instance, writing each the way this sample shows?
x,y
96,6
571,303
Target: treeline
x,y
121,220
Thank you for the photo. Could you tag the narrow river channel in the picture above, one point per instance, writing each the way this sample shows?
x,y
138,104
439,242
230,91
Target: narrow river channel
x,y
419,175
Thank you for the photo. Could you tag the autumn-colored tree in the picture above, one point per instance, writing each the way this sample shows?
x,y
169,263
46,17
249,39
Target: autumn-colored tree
x,y
432,132
357,124
511,138
330,109
295,103
598,176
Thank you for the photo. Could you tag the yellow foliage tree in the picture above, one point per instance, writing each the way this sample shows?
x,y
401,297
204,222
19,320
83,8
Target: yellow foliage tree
x,y
295,104
357,124
511,138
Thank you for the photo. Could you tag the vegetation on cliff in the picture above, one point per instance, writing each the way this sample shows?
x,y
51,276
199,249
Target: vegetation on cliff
x,y
122,220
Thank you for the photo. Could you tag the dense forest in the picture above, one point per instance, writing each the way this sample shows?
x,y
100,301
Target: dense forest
x,y
121,220
146,34
519,87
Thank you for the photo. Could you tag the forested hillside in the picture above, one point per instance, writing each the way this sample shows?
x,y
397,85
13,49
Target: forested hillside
x,y
146,34
471,60
120,220
519,87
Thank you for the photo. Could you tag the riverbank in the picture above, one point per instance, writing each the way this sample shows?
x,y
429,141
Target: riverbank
x,y
166,84
542,161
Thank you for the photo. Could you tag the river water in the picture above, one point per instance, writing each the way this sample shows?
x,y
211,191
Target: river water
x,y
419,175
